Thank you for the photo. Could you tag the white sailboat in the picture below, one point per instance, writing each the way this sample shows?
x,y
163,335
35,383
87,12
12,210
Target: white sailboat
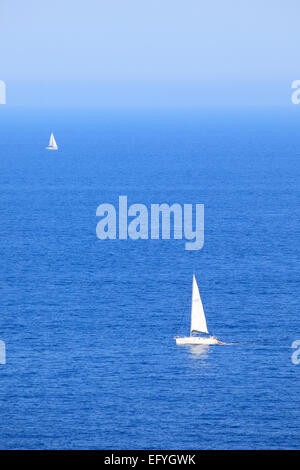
x,y
52,144
198,322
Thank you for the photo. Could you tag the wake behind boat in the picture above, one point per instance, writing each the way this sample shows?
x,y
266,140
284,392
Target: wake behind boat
x,y
198,322
52,143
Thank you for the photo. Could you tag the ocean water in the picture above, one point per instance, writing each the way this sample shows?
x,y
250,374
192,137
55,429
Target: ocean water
x,y
89,324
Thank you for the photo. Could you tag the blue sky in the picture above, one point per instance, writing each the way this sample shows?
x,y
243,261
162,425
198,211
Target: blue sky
x,y
148,51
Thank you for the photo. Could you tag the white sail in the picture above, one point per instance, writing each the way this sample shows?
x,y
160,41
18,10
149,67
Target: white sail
x,y
198,321
52,144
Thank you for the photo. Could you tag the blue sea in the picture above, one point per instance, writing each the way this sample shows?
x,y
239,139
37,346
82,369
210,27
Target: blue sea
x,y
88,324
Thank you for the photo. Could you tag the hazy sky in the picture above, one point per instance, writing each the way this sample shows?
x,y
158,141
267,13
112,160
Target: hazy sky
x,y
139,50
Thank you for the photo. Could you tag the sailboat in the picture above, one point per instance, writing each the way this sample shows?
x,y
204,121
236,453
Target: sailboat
x,y
198,322
52,144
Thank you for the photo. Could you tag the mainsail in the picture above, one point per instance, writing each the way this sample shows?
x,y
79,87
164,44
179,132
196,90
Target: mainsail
x,y
52,143
198,321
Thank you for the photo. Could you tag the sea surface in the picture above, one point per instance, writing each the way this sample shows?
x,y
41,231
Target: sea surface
x,y
88,324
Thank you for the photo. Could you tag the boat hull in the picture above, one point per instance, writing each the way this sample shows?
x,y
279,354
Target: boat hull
x,y
197,340
51,148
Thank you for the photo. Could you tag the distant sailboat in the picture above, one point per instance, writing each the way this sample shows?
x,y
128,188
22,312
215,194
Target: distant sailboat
x,y
198,322
52,144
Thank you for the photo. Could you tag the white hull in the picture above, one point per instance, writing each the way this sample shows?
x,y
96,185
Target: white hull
x,y
51,148
197,340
